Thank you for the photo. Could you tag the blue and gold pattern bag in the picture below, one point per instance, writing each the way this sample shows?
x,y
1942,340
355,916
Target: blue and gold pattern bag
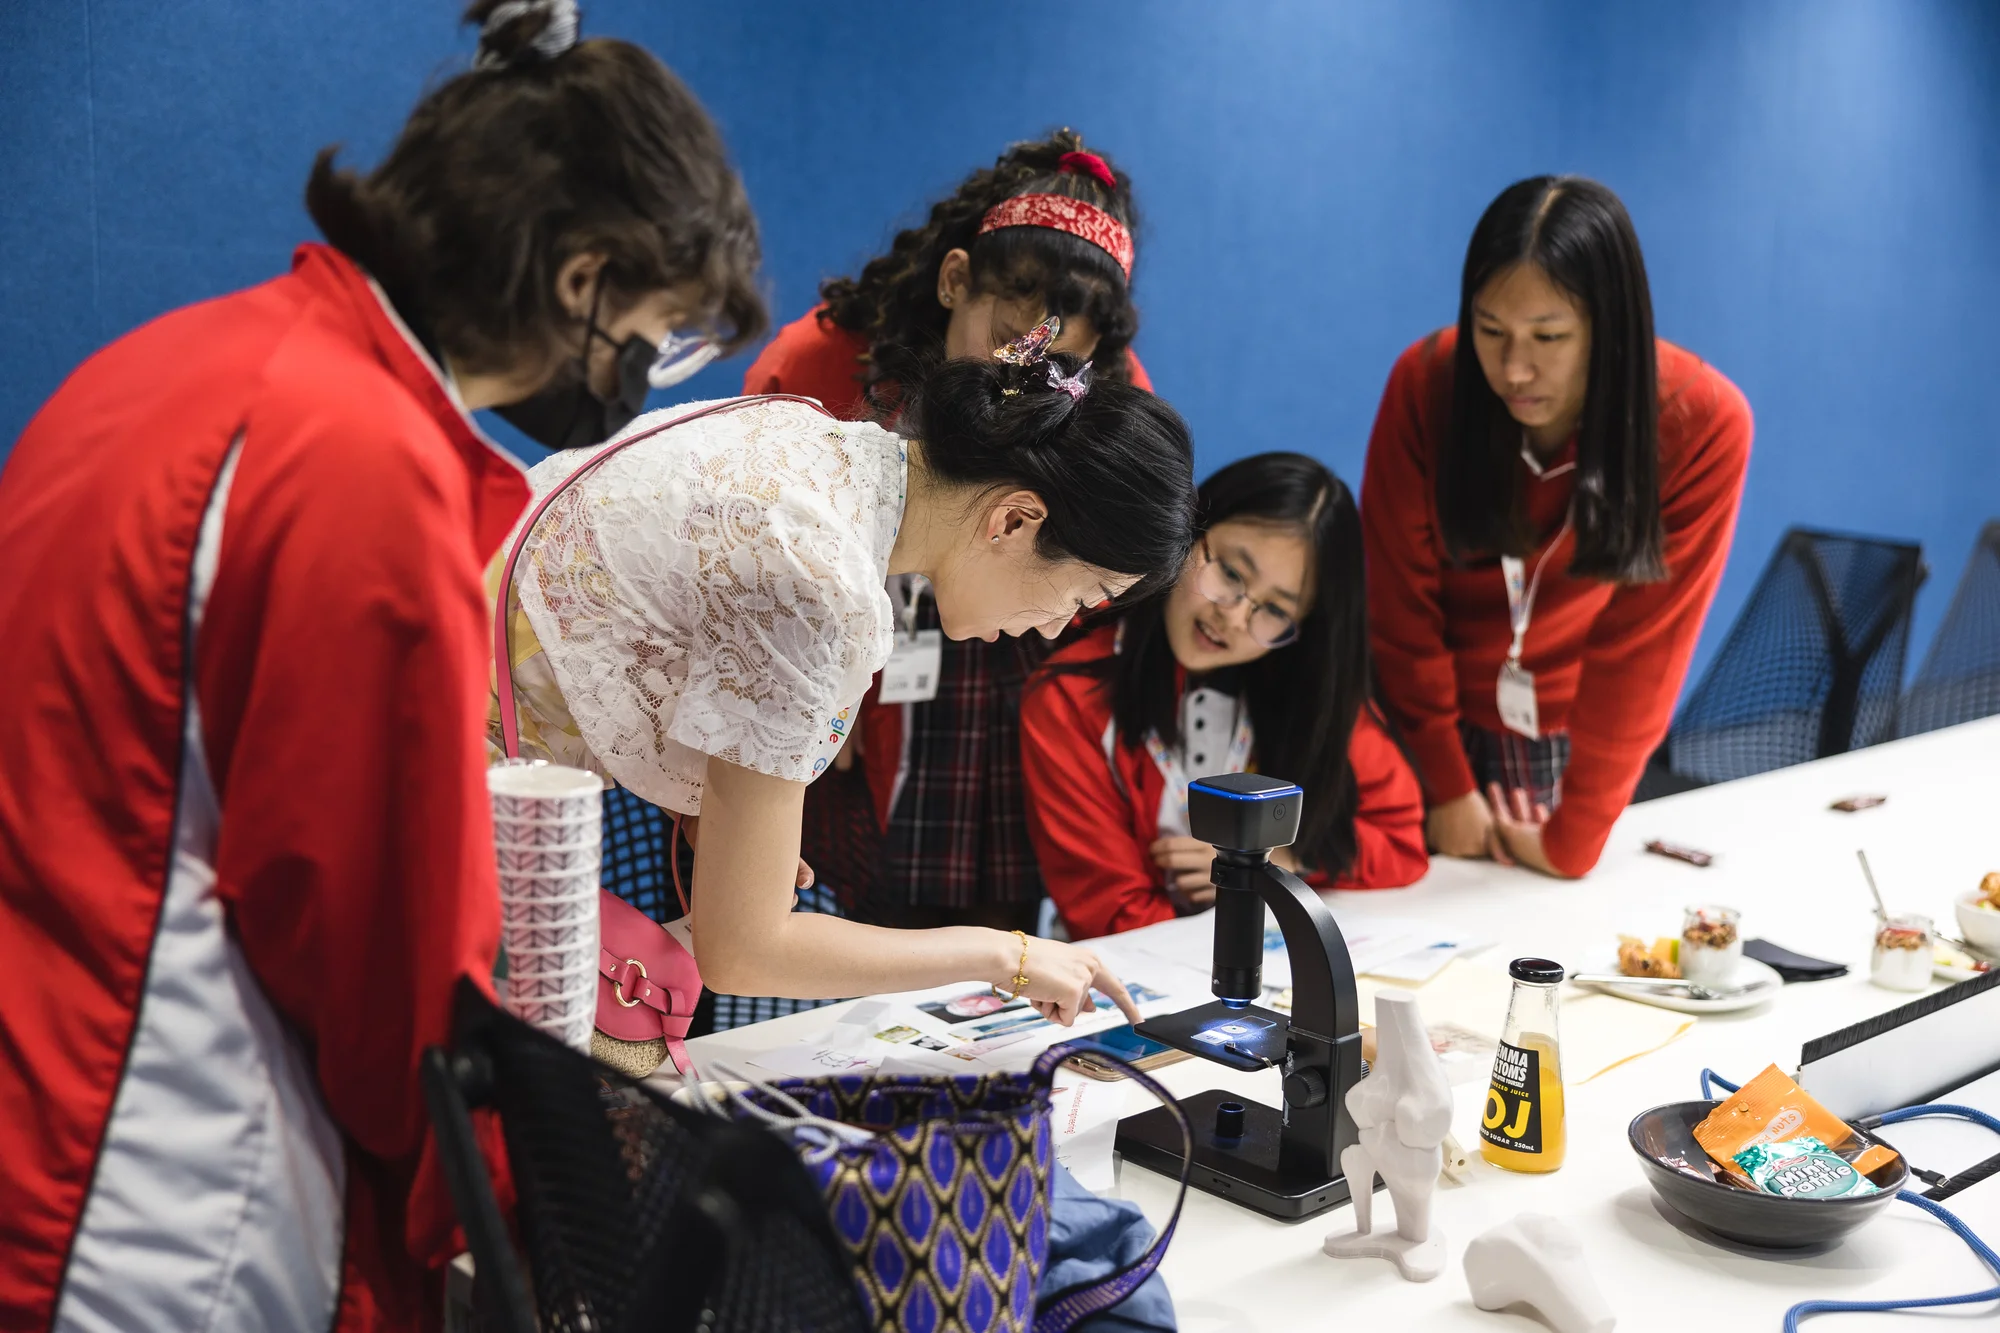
x,y
940,1192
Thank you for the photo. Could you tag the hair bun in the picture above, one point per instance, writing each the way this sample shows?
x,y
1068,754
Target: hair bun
x,y
515,32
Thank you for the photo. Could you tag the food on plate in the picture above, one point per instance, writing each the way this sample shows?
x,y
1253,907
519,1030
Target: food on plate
x,y
1957,960
1662,959
1989,892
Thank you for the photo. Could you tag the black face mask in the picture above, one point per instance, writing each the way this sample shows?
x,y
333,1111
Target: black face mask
x,y
568,414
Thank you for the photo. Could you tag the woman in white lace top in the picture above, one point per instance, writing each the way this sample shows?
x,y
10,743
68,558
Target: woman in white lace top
x,y
698,618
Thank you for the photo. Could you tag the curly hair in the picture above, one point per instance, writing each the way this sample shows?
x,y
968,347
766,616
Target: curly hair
x,y
894,301
512,167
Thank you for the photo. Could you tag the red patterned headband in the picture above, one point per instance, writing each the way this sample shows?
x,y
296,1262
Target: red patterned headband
x,y
1063,213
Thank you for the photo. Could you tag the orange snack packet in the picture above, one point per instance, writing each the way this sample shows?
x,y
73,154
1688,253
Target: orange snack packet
x,y
1771,1108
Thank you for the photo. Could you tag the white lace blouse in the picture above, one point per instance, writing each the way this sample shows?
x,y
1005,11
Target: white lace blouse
x,y
716,589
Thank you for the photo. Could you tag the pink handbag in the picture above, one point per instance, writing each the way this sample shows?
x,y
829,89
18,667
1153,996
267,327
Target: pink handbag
x,y
647,984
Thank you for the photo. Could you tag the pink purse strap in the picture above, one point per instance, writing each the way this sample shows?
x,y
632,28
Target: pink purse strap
x,y
503,667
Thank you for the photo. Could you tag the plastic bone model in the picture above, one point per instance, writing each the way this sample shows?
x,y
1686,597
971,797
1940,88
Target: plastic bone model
x,y
1403,1112
1535,1260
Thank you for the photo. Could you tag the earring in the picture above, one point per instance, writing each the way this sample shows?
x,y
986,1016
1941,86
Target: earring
x,y
996,539
944,299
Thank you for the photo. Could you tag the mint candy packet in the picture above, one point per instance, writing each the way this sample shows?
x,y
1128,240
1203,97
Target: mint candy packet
x,y
1802,1168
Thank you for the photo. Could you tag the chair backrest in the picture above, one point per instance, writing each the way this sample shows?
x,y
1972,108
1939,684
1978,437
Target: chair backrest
x,y
1813,664
1960,678
634,1213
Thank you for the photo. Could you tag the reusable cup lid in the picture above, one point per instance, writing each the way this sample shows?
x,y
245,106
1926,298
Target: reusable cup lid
x,y
1540,971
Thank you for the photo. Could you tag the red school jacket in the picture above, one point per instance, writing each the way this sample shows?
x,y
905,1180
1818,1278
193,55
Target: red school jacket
x,y
1608,661
245,847
1094,804
815,357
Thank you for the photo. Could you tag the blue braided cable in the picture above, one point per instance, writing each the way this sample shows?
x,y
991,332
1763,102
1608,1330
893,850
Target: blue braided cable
x,y
1950,1219
1972,1113
1710,1080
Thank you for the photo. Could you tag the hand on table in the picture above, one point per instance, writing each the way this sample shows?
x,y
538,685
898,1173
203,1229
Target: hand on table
x,y
1185,862
1061,977
1516,834
802,878
1462,827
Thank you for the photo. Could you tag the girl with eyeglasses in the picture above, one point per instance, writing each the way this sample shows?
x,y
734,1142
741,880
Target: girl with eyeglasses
x,y
1257,658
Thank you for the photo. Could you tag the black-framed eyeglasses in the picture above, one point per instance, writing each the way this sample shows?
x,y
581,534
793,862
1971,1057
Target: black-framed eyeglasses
x,y
1221,584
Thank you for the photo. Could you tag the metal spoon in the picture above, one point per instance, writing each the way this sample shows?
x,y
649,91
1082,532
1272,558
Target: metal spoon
x,y
1881,912
1694,991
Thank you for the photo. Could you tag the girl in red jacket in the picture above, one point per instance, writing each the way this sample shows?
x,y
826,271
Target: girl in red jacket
x,y
1047,229
1258,657
1548,506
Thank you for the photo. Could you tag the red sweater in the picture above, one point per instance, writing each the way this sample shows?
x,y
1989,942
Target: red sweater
x,y
246,854
1094,804
815,357
1608,660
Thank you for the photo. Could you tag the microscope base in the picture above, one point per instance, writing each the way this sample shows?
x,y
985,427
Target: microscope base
x,y
1244,1172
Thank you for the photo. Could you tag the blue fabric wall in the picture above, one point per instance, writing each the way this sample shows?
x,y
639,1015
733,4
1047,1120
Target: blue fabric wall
x,y
1814,183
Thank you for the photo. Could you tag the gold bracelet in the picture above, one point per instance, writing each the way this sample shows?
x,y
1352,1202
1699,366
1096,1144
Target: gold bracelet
x,y
1020,982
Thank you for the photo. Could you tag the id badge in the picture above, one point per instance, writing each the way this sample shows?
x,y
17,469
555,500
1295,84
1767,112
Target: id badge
x,y
1516,696
911,677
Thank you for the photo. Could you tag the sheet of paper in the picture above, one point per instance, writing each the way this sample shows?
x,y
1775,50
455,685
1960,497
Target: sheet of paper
x,y
812,1060
1084,1124
1598,1031
1420,965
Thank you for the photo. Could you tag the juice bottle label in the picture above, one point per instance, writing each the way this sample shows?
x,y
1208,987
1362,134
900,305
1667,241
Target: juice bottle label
x,y
1513,1118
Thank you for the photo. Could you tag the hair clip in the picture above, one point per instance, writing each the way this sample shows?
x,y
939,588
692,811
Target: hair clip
x,y
1031,346
1076,386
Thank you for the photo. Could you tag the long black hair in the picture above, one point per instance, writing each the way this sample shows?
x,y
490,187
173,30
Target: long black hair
x,y
894,301
1115,467
1578,233
1303,698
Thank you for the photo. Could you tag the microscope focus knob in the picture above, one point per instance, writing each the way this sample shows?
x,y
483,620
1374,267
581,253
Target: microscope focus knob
x,y
1305,1087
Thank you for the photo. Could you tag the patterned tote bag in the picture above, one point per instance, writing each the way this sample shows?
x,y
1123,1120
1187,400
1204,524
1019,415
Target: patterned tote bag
x,y
939,1189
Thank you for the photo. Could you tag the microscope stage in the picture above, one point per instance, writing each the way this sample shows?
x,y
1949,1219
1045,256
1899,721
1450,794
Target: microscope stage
x,y
1248,1038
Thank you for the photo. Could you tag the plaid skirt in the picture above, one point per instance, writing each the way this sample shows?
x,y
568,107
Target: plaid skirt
x,y
1512,760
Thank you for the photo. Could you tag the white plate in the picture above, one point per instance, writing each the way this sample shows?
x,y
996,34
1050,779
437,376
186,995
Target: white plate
x,y
1762,983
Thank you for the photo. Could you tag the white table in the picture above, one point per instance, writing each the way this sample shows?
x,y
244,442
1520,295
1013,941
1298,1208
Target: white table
x,y
1788,863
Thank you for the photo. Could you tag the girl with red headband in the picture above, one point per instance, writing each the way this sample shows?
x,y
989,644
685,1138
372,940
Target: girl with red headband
x,y
1046,230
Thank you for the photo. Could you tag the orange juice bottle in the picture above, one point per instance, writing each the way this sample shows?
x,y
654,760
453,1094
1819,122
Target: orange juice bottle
x,y
1521,1127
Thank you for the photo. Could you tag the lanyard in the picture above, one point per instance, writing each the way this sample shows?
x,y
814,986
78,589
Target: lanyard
x,y
1520,598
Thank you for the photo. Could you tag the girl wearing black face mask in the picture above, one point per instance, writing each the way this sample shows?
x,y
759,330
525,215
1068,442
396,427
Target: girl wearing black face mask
x,y
577,409
557,271
244,827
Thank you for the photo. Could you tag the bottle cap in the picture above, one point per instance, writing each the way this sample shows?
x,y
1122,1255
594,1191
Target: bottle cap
x,y
1540,971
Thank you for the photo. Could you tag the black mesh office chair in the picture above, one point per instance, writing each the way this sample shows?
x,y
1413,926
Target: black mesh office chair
x,y
638,836
634,1214
1813,665
1960,678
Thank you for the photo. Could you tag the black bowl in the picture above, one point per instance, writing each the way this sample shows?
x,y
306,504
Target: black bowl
x,y
1767,1221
